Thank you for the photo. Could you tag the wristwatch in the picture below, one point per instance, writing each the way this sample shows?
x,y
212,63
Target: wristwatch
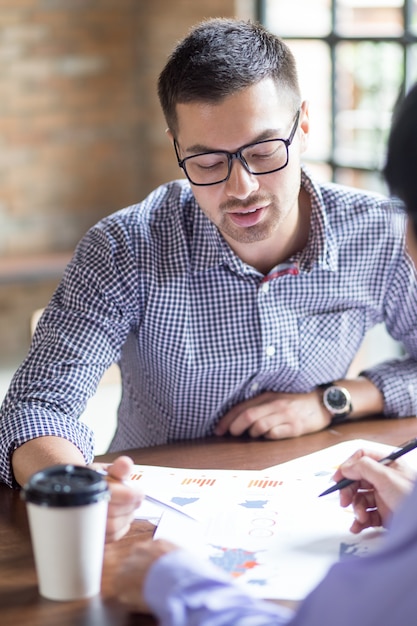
x,y
337,401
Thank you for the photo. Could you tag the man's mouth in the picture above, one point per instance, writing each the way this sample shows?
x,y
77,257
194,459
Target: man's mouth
x,y
247,217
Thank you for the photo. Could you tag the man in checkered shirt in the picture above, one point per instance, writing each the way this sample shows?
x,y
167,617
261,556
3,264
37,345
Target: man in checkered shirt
x,y
235,298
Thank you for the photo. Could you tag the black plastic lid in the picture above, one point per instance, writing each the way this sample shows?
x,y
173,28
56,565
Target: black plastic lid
x,y
65,485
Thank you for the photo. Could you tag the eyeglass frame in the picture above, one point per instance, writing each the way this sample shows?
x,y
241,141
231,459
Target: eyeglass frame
x,y
238,155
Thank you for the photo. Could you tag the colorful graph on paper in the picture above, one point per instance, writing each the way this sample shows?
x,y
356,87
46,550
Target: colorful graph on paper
x,y
198,492
267,529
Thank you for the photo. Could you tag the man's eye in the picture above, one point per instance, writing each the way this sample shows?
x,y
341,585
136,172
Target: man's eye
x,y
266,151
208,162
212,166
260,155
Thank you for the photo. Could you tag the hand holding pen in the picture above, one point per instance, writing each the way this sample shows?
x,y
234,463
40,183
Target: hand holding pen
x,y
373,486
125,497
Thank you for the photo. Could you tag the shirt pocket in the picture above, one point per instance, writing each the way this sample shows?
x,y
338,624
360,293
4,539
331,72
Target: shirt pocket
x,y
328,344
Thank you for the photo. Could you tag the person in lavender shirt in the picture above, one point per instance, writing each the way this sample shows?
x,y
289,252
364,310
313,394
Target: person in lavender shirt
x,y
377,590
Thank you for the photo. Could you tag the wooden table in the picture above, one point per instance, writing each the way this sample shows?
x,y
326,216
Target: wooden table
x,y
20,602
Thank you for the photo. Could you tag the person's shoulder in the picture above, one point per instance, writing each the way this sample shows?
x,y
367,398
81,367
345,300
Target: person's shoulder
x,y
165,212
159,220
336,196
164,202
355,202
352,195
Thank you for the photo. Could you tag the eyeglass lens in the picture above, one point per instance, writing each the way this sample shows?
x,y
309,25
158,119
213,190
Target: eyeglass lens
x,y
258,158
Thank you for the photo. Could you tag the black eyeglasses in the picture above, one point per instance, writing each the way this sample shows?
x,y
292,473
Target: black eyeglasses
x,y
214,167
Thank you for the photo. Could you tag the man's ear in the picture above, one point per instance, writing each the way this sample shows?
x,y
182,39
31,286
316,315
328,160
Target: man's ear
x,y
169,135
304,125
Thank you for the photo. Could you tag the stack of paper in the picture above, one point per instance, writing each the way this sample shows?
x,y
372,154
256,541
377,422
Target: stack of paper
x,y
268,528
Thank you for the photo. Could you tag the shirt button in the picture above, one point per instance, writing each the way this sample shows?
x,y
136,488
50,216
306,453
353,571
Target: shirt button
x,y
270,351
254,386
265,287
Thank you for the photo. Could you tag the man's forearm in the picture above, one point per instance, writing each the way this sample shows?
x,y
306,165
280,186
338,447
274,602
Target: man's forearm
x,y
42,452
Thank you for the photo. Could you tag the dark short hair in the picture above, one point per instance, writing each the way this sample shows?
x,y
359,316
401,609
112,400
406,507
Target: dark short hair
x,y
218,58
401,164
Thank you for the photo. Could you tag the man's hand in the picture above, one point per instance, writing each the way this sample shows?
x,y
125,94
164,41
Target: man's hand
x,y
125,498
130,579
378,491
42,452
276,415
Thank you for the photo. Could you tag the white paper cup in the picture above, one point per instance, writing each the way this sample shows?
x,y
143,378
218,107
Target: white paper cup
x,y
67,511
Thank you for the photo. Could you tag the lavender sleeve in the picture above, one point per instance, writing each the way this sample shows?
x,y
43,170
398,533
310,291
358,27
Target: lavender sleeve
x,y
378,589
185,591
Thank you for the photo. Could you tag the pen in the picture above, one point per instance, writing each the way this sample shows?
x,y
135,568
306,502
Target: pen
x,y
403,449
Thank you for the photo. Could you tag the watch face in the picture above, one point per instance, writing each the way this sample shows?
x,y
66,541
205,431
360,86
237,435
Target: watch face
x,y
337,400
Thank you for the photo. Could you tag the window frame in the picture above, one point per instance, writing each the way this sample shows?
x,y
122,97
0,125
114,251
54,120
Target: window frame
x,y
406,40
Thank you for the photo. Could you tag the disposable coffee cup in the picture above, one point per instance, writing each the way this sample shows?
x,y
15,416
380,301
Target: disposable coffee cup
x,y
67,512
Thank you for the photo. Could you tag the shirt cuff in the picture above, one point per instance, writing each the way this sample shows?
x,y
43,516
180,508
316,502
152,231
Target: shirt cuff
x,y
183,590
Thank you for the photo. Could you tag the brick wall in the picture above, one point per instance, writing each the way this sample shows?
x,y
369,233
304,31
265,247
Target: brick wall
x,y
81,132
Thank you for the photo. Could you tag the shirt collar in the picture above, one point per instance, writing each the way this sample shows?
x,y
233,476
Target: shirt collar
x,y
321,248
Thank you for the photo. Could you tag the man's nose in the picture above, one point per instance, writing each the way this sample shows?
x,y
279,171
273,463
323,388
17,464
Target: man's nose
x,y
241,183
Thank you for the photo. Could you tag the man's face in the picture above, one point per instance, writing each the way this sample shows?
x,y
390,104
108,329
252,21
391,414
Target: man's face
x,y
247,209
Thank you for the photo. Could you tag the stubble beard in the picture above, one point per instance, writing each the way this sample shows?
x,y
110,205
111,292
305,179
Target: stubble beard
x,y
251,234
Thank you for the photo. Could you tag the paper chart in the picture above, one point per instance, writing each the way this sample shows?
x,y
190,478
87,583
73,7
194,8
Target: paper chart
x,y
268,529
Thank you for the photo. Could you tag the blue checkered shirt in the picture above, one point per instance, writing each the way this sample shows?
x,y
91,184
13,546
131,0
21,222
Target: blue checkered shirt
x,y
196,331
